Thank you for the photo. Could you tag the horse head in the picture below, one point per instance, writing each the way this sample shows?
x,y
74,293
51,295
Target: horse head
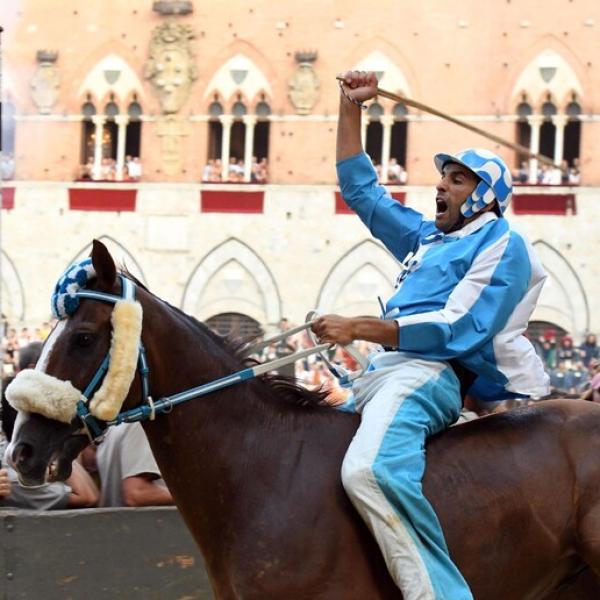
x,y
88,360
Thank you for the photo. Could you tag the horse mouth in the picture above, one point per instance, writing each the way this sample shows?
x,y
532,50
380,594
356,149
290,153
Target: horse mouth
x,y
58,469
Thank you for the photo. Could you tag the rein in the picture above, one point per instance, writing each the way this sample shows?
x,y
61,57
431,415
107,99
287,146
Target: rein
x,y
149,409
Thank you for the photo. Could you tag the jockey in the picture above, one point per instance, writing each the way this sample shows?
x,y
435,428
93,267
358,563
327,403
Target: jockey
x,y
467,288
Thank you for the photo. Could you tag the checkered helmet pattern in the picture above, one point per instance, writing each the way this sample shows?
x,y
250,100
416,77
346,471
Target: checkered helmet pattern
x,y
495,178
64,299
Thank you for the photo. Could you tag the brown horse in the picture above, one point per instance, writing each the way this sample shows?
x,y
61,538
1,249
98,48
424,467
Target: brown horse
x,y
254,470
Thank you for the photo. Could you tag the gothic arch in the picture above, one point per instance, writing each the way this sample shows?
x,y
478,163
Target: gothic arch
x,y
378,54
563,299
238,75
121,255
13,292
353,284
232,278
391,76
547,52
112,74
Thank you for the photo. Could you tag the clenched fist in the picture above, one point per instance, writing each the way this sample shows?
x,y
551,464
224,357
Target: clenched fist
x,y
333,329
360,85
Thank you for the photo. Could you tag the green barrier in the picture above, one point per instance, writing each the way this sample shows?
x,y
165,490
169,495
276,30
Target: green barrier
x,y
105,553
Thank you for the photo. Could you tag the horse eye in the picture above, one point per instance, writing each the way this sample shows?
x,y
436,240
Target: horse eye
x,y
83,339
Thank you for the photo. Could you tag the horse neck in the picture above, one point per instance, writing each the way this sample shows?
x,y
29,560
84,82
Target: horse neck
x,y
182,355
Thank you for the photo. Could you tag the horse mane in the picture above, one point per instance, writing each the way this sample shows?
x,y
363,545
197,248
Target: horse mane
x,y
280,388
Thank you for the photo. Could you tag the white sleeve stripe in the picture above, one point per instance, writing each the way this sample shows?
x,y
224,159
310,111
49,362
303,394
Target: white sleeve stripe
x,y
468,290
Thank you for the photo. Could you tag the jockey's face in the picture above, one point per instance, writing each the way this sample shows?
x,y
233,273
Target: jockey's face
x,y
455,186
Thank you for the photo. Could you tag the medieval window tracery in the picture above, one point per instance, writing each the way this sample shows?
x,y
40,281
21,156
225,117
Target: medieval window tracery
x,y
549,119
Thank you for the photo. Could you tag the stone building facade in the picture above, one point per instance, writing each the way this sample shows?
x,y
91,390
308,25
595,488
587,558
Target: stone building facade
x,y
180,82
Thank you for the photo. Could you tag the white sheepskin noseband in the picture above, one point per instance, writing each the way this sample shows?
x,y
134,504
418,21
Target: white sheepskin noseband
x,y
38,392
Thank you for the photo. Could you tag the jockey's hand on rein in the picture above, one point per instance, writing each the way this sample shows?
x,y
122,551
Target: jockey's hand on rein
x,y
334,329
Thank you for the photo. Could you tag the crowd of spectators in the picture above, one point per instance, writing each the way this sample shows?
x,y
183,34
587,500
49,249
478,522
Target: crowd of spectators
x,y
571,368
132,170
7,166
548,175
213,171
396,173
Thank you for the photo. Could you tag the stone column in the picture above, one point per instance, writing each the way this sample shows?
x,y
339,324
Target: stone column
x,y
560,122
386,121
121,121
250,123
535,122
98,121
226,122
364,123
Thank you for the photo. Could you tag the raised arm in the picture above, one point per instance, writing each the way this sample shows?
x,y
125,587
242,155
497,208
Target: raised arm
x,y
358,86
84,492
398,227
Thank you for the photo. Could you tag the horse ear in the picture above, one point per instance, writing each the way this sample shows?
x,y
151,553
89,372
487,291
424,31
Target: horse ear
x,y
104,265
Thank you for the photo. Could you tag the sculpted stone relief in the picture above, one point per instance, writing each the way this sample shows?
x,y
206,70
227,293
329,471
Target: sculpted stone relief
x,y
171,67
304,83
171,130
45,82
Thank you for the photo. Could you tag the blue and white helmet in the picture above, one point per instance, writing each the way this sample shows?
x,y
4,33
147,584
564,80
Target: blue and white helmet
x,y
495,178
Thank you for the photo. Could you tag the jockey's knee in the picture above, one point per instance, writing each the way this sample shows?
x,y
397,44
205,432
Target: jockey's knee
x,y
356,474
359,474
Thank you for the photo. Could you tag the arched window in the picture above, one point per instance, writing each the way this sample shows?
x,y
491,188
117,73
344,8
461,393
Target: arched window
x,y
239,110
133,136
111,130
548,130
374,141
260,149
399,136
215,130
238,134
88,135
524,110
572,134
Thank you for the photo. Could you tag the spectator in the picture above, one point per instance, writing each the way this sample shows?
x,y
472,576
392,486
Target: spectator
x,y
207,172
574,174
589,350
564,173
567,354
10,348
129,475
262,174
396,172
24,337
522,175
134,169
7,166
236,170
79,491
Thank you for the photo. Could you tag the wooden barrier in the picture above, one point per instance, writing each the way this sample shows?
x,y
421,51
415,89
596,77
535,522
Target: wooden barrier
x,y
112,553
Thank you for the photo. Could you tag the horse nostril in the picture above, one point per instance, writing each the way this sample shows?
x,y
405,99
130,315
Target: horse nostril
x,y
22,453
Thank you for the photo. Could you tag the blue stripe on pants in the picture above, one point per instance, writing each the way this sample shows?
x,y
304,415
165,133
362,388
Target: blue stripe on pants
x,y
402,404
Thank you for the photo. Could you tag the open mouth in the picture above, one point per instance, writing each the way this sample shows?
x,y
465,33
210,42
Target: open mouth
x,y
441,207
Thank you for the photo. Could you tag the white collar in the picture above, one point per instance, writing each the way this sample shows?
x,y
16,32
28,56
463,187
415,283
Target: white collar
x,y
474,225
